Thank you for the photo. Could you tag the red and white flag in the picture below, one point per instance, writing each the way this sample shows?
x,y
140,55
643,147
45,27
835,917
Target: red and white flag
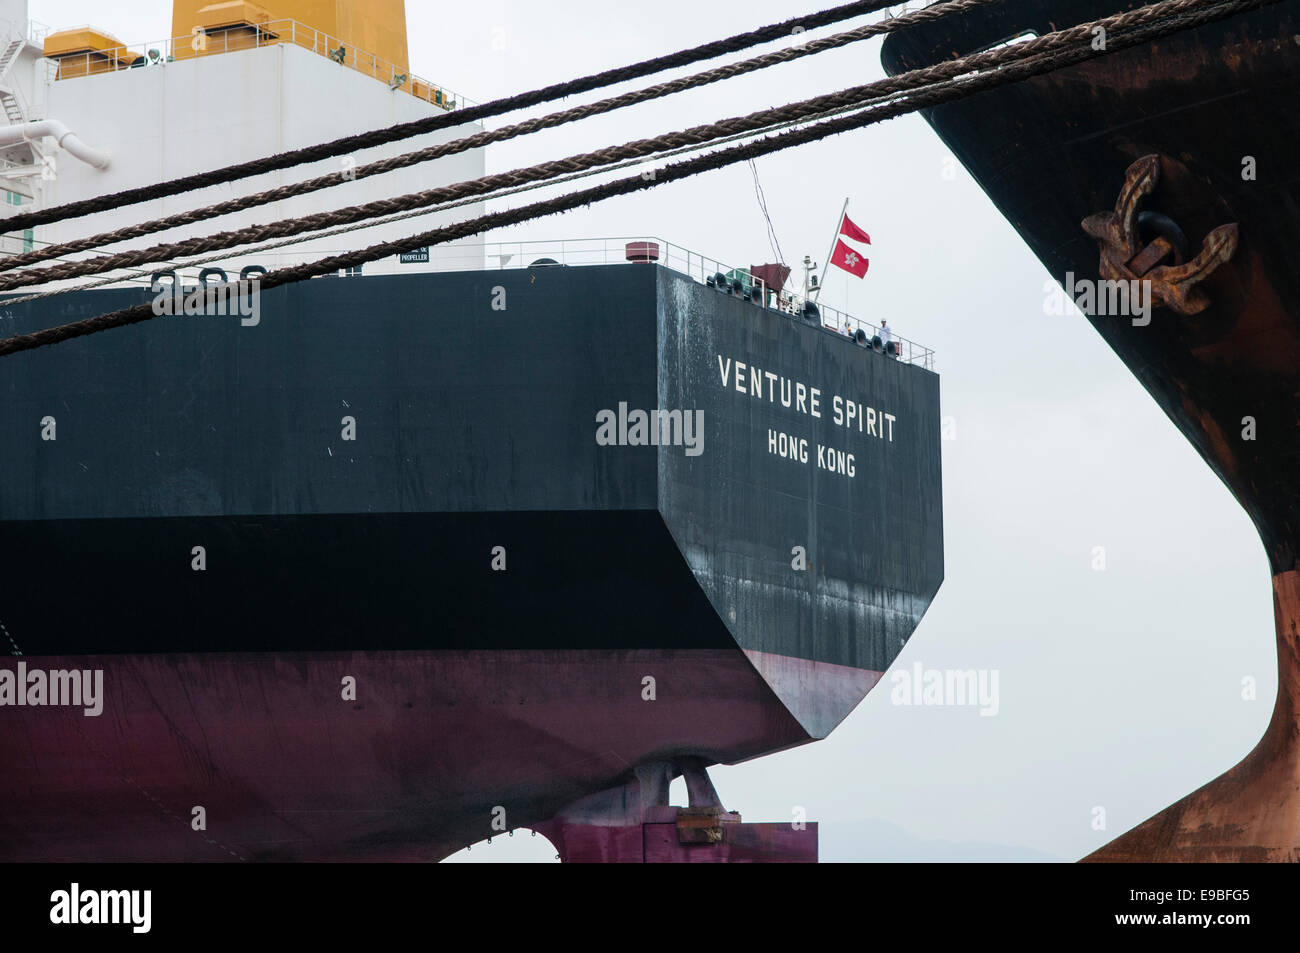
x,y
847,257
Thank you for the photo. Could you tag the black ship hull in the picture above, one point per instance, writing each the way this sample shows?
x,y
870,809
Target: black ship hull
x,y
412,484
1202,126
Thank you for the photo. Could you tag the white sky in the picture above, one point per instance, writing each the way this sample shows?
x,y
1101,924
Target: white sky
x,y
1119,689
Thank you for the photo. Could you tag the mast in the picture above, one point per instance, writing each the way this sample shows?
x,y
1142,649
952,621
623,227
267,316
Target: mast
x,y
839,223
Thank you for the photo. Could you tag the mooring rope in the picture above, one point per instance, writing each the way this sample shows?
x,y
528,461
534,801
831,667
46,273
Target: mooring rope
x,y
1059,43
481,139
1185,14
226,255
459,117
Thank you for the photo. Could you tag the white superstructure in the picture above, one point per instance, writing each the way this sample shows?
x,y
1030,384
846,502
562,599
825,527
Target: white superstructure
x,y
168,117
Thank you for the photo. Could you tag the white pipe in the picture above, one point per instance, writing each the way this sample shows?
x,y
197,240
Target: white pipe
x,y
67,139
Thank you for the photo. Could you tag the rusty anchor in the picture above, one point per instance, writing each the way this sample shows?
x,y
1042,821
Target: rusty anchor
x,y
1123,259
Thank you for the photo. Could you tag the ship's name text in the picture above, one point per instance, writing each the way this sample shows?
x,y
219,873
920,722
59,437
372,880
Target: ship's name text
x,y
803,398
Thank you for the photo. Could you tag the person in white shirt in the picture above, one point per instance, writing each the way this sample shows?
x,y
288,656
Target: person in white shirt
x,y
885,336
847,329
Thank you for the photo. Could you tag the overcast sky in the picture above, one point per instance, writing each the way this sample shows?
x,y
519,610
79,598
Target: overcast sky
x,y
1120,688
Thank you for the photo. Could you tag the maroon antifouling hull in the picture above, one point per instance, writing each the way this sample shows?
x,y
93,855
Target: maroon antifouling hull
x,y
438,750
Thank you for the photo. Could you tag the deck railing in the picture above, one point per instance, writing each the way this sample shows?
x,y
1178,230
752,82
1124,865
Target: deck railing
x,y
471,256
490,256
253,36
702,268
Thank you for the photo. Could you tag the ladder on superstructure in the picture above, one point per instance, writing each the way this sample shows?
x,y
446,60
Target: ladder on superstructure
x,y
26,160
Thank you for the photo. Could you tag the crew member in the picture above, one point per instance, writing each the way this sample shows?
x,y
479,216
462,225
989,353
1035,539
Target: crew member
x,y
885,338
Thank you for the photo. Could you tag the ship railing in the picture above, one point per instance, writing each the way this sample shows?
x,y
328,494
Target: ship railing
x,y
37,32
702,268
492,256
254,36
30,31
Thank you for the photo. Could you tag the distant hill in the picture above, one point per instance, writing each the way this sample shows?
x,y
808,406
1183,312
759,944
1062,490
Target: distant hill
x,y
882,841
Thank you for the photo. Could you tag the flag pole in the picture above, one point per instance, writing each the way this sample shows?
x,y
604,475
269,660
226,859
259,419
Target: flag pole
x,y
826,265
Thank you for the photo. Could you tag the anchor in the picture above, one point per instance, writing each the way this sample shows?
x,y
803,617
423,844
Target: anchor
x,y
1124,259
